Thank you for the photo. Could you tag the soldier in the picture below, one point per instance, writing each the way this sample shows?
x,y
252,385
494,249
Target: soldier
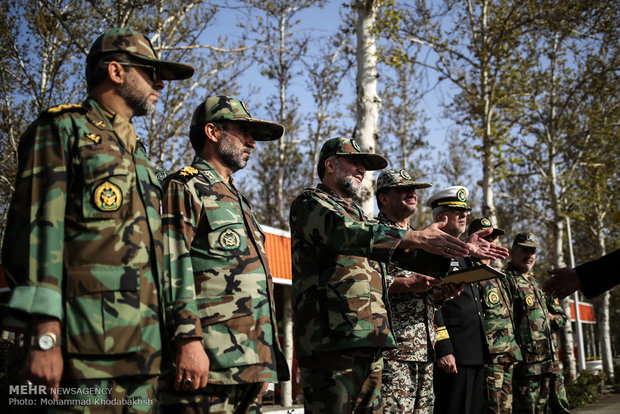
x,y
504,351
407,382
339,309
221,292
535,319
83,239
461,348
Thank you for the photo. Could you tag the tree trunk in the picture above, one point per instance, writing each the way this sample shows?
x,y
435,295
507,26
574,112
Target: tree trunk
x,y
287,323
367,100
281,218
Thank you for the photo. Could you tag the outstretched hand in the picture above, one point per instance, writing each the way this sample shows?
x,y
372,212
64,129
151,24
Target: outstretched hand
x,y
563,282
433,240
484,249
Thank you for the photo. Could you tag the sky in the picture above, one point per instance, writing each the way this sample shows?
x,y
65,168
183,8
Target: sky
x,y
324,22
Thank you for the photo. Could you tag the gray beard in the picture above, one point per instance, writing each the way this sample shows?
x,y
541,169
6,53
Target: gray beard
x,y
348,187
232,159
140,105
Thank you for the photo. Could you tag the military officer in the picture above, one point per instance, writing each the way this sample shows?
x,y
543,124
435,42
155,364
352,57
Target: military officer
x,y
221,292
407,381
461,348
83,239
341,323
504,351
535,319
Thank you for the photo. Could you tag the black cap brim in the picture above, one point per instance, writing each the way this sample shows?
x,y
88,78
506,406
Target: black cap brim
x,y
168,70
264,130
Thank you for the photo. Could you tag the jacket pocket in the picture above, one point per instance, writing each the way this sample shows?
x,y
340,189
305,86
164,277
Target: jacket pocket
x,y
227,235
348,305
102,310
107,189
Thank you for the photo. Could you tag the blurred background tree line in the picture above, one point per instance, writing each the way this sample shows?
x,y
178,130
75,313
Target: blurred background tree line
x,y
530,89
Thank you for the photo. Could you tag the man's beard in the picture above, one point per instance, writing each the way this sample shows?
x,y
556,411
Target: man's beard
x,y
230,155
140,104
348,186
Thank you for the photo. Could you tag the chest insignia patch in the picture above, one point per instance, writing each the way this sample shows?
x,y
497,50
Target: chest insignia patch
x,y
529,300
493,297
95,138
108,197
230,240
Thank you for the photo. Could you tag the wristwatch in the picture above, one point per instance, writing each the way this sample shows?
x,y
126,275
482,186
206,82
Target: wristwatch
x,y
45,341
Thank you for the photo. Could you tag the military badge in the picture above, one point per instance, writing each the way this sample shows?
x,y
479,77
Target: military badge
x,y
354,144
95,138
493,297
485,222
209,175
161,175
461,195
230,240
108,197
405,175
529,300
188,170
100,124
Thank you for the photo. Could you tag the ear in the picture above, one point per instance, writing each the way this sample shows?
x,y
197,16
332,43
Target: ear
x,y
116,73
382,199
330,166
212,132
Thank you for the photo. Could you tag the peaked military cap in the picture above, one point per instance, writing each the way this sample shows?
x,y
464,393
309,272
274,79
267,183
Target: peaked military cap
x,y
349,148
224,108
455,197
138,46
482,224
398,178
525,239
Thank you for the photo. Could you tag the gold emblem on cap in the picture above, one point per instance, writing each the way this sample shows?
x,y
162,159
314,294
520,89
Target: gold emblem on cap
x,y
461,195
493,297
485,222
230,240
529,237
354,144
405,175
529,300
108,197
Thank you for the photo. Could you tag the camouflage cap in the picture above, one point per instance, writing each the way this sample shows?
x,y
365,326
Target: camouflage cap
x,y
482,224
398,178
454,197
224,108
348,147
525,239
138,46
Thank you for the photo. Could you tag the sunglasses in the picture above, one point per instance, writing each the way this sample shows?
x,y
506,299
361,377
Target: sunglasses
x,y
151,71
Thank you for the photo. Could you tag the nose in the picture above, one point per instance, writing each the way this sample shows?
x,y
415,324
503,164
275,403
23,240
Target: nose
x,y
249,140
159,84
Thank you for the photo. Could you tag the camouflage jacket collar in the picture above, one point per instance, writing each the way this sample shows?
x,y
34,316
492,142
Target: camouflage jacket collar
x,y
96,114
207,170
347,203
512,269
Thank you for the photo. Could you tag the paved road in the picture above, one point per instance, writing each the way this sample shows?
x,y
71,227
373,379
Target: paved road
x,y
609,404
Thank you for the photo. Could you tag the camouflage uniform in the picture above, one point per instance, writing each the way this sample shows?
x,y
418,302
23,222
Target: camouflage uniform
x,y
503,348
408,371
339,296
534,334
220,287
85,242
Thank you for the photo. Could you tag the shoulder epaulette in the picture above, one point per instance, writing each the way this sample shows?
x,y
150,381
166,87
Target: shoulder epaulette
x,y
188,171
59,109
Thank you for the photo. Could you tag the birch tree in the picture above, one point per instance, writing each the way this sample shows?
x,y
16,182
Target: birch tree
x,y
367,101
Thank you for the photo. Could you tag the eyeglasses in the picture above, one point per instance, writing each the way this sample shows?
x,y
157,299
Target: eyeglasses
x,y
151,71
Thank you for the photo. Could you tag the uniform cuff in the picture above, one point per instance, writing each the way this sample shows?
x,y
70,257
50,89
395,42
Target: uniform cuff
x,y
37,300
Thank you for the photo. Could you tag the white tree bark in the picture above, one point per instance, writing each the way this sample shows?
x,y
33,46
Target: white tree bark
x,y
367,99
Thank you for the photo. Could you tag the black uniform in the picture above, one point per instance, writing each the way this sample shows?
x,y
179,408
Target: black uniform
x,y
463,392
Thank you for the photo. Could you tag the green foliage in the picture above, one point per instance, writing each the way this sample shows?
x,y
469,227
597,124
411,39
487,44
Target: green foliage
x,y
585,389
